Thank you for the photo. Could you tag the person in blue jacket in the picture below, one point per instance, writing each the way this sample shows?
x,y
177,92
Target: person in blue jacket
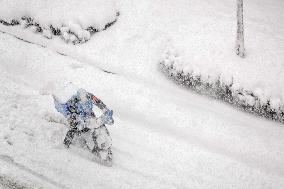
x,y
78,111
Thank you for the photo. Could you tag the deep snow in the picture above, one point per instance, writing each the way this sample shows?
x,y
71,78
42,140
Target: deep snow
x,y
163,137
160,139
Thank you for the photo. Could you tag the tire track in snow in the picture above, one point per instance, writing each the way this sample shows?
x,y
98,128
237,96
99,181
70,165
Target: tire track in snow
x,y
10,161
62,54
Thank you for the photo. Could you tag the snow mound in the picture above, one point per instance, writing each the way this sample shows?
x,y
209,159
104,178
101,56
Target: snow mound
x,y
73,20
58,12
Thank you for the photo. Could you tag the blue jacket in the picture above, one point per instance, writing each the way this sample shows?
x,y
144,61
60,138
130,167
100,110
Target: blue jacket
x,y
78,106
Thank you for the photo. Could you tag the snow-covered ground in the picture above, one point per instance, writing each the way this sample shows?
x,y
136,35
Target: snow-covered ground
x,y
163,137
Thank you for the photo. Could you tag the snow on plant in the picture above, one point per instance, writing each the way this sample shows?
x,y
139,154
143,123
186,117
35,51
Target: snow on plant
x,y
73,20
220,85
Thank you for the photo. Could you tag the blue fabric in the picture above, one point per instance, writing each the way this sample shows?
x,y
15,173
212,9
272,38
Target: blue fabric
x,y
61,108
108,117
83,109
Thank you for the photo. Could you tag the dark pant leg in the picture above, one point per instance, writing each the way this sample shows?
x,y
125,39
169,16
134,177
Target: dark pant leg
x,y
73,123
69,137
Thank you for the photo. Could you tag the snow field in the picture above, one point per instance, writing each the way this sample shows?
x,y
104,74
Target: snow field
x,y
159,127
204,149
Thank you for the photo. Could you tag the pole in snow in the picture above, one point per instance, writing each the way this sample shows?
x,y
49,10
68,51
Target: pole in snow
x,y
240,49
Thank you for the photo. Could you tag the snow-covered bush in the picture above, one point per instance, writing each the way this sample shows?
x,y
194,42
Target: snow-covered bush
x,y
220,87
73,20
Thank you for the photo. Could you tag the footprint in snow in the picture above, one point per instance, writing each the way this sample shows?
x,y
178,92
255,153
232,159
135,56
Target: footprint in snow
x,y
8,140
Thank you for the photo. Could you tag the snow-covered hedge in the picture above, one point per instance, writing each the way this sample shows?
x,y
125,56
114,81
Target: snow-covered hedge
x,y
75,21
222,88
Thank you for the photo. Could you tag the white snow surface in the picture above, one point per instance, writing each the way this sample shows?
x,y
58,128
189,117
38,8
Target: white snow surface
x,y
164,136
96,13
64,92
